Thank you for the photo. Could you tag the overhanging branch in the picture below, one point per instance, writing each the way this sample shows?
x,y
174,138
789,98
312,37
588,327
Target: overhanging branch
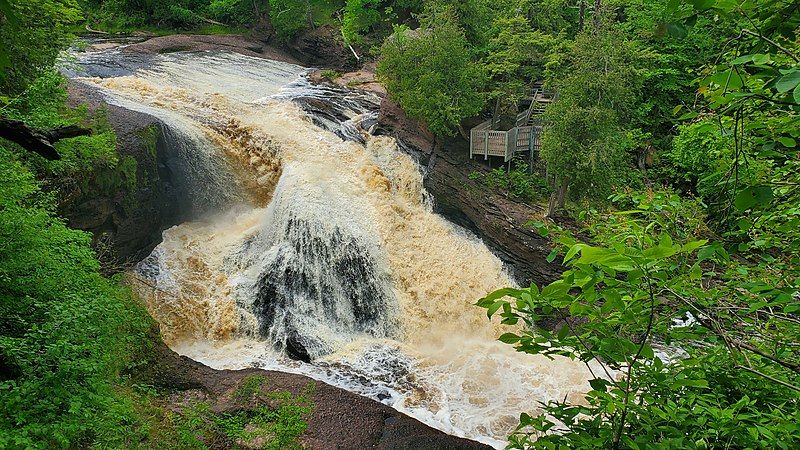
x,y
38,140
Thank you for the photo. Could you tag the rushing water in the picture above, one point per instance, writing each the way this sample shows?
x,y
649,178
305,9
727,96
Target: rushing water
x,y
307,234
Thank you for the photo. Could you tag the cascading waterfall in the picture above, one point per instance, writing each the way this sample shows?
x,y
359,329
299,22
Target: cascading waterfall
x,y
325,249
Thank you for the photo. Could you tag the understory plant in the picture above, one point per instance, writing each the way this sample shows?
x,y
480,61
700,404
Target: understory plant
x,y
686,347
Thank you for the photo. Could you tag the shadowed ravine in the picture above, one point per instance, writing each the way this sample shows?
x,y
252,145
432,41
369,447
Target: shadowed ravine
x,y
306,235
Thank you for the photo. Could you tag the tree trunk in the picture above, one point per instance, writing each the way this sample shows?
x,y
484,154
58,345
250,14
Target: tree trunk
x,y
596,19
37,140
558,197
496,113
309,16
581,15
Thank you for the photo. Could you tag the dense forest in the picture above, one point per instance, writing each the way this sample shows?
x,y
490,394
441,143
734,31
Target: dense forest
x,y
668,180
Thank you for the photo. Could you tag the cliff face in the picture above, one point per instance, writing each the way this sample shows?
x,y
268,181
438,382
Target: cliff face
x,y
498,220
126,224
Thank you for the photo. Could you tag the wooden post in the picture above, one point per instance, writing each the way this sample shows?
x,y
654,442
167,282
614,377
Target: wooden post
x,y
485,145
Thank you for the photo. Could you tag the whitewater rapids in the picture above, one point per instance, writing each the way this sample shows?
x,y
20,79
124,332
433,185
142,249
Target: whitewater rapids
x,y
304,230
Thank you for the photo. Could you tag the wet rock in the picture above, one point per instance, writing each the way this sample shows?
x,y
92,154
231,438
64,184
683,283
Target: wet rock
x,y
130,222
229,42
295,348
322,47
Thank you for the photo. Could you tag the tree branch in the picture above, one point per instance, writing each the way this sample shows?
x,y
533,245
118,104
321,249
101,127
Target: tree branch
x,y
38,140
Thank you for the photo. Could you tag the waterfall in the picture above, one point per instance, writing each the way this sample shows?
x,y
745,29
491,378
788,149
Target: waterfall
x,y
315,239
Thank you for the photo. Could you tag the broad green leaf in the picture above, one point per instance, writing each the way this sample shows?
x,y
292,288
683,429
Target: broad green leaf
x,y
494,307
659,252
500,293
742,60
508,338
753,196
693,245
599,384
552,256
573,251
556,289
796,94
787,142
788,82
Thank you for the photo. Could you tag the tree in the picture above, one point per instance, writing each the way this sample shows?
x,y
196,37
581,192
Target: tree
x,y
32,33
429,72
517,56
585,140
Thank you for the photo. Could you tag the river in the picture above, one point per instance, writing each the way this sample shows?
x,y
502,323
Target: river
x,y
306,234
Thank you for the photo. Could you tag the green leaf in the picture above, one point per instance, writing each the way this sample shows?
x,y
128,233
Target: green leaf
x,y
787,142
573,251
500,293
788,82
705,253
552,256
494,307
693,245
797,94
509,338
753,196
659,252
556,289
599,384
742,60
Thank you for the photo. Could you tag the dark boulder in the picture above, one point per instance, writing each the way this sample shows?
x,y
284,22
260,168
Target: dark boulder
x,y
295,348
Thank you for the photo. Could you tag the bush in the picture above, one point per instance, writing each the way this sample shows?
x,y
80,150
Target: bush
x,y
234,12
66,331
288,17
518,183
430,73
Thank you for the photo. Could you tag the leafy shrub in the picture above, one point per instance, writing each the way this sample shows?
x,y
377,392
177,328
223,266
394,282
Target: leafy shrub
x,y
517,183
66,331
288,17
358,17
235,12
429,72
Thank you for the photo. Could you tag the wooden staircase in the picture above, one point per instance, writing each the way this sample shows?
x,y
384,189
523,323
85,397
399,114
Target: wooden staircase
x,y
524,137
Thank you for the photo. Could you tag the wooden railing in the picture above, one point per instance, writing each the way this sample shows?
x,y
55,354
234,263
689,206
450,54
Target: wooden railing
x,y
486,142
524,137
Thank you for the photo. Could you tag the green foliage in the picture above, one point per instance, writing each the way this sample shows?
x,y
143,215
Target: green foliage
x,y
658,380
180,14
585,142
517,183
289,17
270,421
33,32
236,12
330,75
359,16
429,72
67,332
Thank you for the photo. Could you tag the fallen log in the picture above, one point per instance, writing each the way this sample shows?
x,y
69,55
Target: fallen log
x,y
38,140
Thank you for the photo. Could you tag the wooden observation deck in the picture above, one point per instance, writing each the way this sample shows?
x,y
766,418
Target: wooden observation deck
x,y
524,137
